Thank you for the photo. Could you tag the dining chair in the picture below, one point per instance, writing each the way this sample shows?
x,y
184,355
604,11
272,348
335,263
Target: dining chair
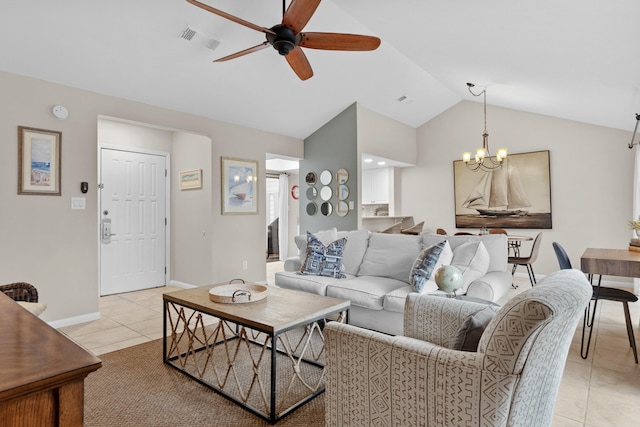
x,y
528,260
497,231
464,233
441,231
600,293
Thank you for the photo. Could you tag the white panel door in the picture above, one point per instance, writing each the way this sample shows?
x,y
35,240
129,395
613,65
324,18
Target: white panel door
x,y
132,226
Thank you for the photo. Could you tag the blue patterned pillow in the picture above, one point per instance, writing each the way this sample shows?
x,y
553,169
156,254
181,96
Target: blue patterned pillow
x,y
423,266
323,260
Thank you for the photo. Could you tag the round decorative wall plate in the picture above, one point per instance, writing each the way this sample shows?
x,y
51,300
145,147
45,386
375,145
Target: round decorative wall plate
x,y
295,192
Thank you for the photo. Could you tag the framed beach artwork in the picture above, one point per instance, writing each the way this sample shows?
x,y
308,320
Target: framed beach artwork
x,y
39,156
515,195
239,186
191,179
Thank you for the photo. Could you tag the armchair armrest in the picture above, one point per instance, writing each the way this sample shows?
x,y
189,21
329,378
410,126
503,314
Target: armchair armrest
x,y
292,263
434,318
377,379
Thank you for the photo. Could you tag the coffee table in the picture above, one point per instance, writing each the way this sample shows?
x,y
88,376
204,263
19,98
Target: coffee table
x,y
267,356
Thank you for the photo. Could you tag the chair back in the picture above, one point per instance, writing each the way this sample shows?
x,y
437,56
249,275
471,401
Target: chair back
x,y
441,231
535,248
497,231
530,335
463,233
561,254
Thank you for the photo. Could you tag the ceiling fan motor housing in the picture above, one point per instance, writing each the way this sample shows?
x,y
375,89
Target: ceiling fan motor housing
x,y
284,40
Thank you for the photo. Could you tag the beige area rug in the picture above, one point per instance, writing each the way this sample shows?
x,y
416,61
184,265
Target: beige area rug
x,y
135,388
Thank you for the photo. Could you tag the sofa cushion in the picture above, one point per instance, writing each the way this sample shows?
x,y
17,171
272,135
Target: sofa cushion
x,y
306,283
367,292
425,265
390,255
472,259
323,260
354,250
470,331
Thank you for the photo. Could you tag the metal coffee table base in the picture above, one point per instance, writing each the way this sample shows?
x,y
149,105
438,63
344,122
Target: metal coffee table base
x,y
243,364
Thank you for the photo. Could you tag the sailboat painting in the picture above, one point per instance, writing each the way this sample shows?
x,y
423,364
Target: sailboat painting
x,y
239,186
515,195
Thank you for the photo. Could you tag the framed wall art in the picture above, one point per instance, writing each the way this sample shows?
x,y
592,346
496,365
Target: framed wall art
x,y
39,158
515,195
191,179
239,186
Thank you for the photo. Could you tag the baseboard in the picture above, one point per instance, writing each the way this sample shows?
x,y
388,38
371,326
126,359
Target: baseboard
x,y
182,284
69,321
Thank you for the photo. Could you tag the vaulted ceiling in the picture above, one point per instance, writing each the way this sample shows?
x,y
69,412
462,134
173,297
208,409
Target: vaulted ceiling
x,y
571,59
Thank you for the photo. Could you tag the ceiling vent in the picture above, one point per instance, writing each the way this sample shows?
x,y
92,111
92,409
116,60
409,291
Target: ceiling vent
x,y
195,36
404,99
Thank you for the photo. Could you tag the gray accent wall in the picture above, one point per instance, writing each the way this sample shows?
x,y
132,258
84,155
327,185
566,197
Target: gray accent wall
x,y
331,147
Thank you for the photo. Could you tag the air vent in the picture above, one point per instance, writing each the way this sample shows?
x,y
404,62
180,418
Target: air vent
x,y
404,99
194,36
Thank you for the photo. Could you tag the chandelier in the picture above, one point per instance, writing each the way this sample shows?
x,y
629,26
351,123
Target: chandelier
x,y
483,159
633,136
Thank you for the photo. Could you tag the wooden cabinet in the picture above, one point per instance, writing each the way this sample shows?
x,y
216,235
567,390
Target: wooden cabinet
x,y
375,186
42,371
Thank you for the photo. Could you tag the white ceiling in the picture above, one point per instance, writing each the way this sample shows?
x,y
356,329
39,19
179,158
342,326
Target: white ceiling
x,y
572,59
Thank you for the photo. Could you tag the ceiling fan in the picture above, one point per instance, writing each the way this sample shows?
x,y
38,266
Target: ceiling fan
x,y
287,38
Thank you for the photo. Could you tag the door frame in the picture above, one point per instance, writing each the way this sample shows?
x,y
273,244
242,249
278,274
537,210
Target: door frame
x,y
167,229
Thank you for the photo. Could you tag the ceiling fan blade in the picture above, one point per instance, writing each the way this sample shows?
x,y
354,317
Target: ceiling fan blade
x,y
338,41
300,64
243,52
298,14
230,17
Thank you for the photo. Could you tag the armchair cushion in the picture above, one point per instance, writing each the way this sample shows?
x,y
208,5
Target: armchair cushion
x,y
469,333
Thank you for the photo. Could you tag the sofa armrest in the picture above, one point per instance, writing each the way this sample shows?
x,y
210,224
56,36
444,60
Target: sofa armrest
x,y
292,264
377,379
435,318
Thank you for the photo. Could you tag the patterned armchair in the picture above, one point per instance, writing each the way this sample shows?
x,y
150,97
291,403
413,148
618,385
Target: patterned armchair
x,y
411,380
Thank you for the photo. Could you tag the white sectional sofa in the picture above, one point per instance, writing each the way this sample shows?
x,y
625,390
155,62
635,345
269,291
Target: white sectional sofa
x,y
377,269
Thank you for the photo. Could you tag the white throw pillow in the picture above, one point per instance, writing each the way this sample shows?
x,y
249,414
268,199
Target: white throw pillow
x,y
472,259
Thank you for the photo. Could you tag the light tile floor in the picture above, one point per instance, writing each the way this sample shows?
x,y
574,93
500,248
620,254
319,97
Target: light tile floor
x,y
603,390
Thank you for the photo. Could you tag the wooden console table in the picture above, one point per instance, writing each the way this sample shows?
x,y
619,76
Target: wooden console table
x,y
42,372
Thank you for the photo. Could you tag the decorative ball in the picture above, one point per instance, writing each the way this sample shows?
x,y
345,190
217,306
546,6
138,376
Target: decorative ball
x,y
448,278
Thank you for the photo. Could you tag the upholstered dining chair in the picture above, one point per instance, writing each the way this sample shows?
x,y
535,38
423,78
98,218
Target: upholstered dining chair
x,y
25,295
511,379
527,261
600,293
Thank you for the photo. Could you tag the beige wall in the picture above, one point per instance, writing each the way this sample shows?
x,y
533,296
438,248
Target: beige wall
x,y
55,248
591,175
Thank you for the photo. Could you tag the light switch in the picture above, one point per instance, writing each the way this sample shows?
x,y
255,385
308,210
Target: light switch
x,y
351,205
78,203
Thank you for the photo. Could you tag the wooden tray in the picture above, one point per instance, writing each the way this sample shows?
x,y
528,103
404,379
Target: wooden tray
x,y
238,293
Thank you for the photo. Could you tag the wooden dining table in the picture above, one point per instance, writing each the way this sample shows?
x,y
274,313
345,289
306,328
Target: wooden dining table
x,y
516,241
